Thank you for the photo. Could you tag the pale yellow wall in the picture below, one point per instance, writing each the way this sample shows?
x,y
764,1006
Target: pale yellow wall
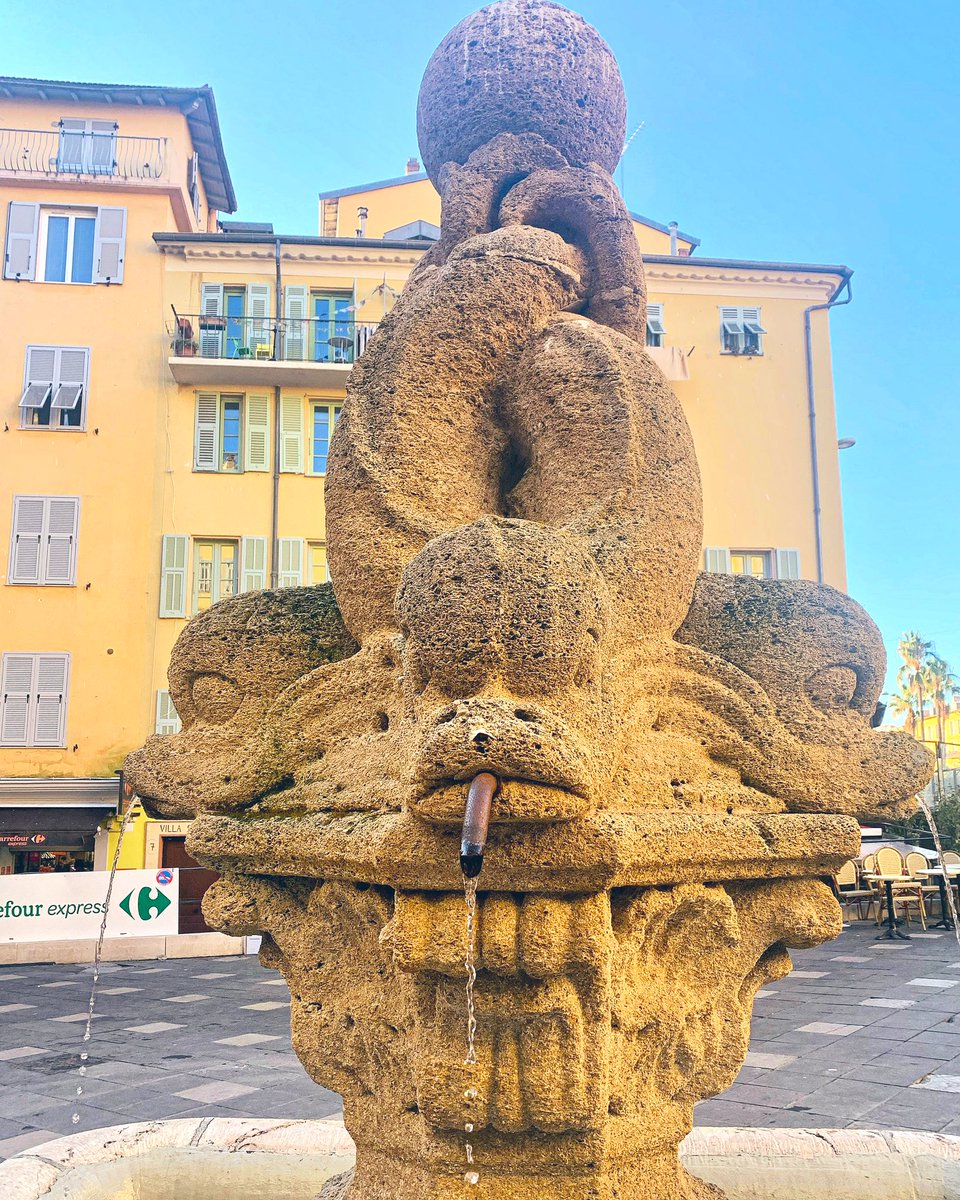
x,y
418,200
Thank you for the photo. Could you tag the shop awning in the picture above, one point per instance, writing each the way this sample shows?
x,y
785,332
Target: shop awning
x,y
54,814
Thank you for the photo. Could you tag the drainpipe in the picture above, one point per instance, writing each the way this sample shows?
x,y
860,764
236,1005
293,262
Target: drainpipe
x,y
812,413
275,513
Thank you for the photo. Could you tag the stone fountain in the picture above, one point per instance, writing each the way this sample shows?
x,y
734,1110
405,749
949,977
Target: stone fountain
x,y
513,515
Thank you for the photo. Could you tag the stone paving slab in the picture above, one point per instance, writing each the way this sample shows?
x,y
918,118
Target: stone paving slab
x,y
160,1050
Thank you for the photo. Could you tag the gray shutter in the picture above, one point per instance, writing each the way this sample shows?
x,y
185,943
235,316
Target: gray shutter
x,y
257,449
72,140
50,716
253,564
16,690
27,535
72,370
102,138
291,562
716,560
207,435
788,564
211,305
23,226
173,576
291,434
168,719
109,245
60,550
40,372
258,313
295,322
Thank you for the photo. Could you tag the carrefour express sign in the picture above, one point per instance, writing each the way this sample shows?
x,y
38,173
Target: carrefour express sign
x,y
47,908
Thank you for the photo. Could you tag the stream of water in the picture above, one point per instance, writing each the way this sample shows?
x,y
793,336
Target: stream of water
x,y
947,878
471,1175
97,956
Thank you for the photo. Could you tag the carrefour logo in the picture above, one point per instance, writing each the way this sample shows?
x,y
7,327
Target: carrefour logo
x,y
145,903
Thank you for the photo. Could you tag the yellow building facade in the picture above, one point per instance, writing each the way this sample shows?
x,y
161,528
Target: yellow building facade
x,y
212,365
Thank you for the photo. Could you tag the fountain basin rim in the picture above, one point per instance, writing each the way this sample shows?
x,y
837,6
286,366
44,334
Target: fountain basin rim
x,y
601,851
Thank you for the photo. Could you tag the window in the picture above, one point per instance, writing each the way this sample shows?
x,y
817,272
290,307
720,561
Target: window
x,y
655,330
33,699
214,573
65,244
323,421
87,147
741,331
193,183
232,432
332,339
54,387
43,546
235,322
750,562
761,564
317,569
167,719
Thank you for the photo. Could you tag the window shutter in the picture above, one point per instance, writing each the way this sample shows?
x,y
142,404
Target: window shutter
x,y
103,148
258,313
655,327
211,305
207,434
16,689
253,564
788,564
295,322
71,376
72,130
50,720
291,434
40,371
257,456
717,560
60,551
291,562
168,719
108,246
173,576
23,224
28,514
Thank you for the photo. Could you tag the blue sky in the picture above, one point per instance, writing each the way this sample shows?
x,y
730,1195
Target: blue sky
x,y
778,129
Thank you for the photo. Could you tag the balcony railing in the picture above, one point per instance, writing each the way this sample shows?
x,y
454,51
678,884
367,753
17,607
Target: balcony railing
x,y
54,152
333,342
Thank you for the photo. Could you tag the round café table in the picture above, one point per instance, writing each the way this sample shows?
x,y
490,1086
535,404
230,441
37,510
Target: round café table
x,y
946,921
891,932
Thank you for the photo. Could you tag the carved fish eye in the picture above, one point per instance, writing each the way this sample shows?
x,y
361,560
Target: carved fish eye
x,y
832,689
215,698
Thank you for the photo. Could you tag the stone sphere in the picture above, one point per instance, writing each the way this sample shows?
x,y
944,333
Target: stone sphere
x,y
522,66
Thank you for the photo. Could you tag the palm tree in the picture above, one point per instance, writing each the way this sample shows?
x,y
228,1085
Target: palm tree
x,y
914,650
901,705
941,684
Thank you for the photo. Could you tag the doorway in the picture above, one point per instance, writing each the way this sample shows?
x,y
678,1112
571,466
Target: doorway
x,y
194,881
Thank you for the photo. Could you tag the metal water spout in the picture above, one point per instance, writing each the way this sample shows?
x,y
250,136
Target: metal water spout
x,y
476,822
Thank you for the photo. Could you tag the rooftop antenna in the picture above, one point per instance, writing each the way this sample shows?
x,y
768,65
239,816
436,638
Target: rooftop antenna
x,y
626,146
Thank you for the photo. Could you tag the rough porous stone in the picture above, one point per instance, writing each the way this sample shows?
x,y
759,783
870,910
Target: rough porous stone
x,y
529,67
514,528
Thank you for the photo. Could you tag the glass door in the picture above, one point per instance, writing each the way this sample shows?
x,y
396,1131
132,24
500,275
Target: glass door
x,y
233,302
332,328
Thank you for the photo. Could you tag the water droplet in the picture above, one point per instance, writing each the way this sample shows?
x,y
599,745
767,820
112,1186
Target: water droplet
x,y
84,1055
86,1036
471,1177
471,1093
79,1089
468,1128
75,1118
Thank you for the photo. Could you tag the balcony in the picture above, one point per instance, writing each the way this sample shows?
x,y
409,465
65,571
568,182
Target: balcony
x,y
210,350
80,154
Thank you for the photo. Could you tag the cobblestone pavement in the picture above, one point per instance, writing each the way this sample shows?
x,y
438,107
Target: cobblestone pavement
x,y
864,1034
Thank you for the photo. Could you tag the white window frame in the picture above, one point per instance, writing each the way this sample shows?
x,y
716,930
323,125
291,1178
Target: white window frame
x,y
216,579
56,385
71,212
88,135
655,329
335,409
744,325
768,559
33,699
167,719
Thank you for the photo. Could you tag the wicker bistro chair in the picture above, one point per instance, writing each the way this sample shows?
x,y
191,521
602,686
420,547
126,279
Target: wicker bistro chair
x,y
928,888
869,864
850,891
906,895
951,858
